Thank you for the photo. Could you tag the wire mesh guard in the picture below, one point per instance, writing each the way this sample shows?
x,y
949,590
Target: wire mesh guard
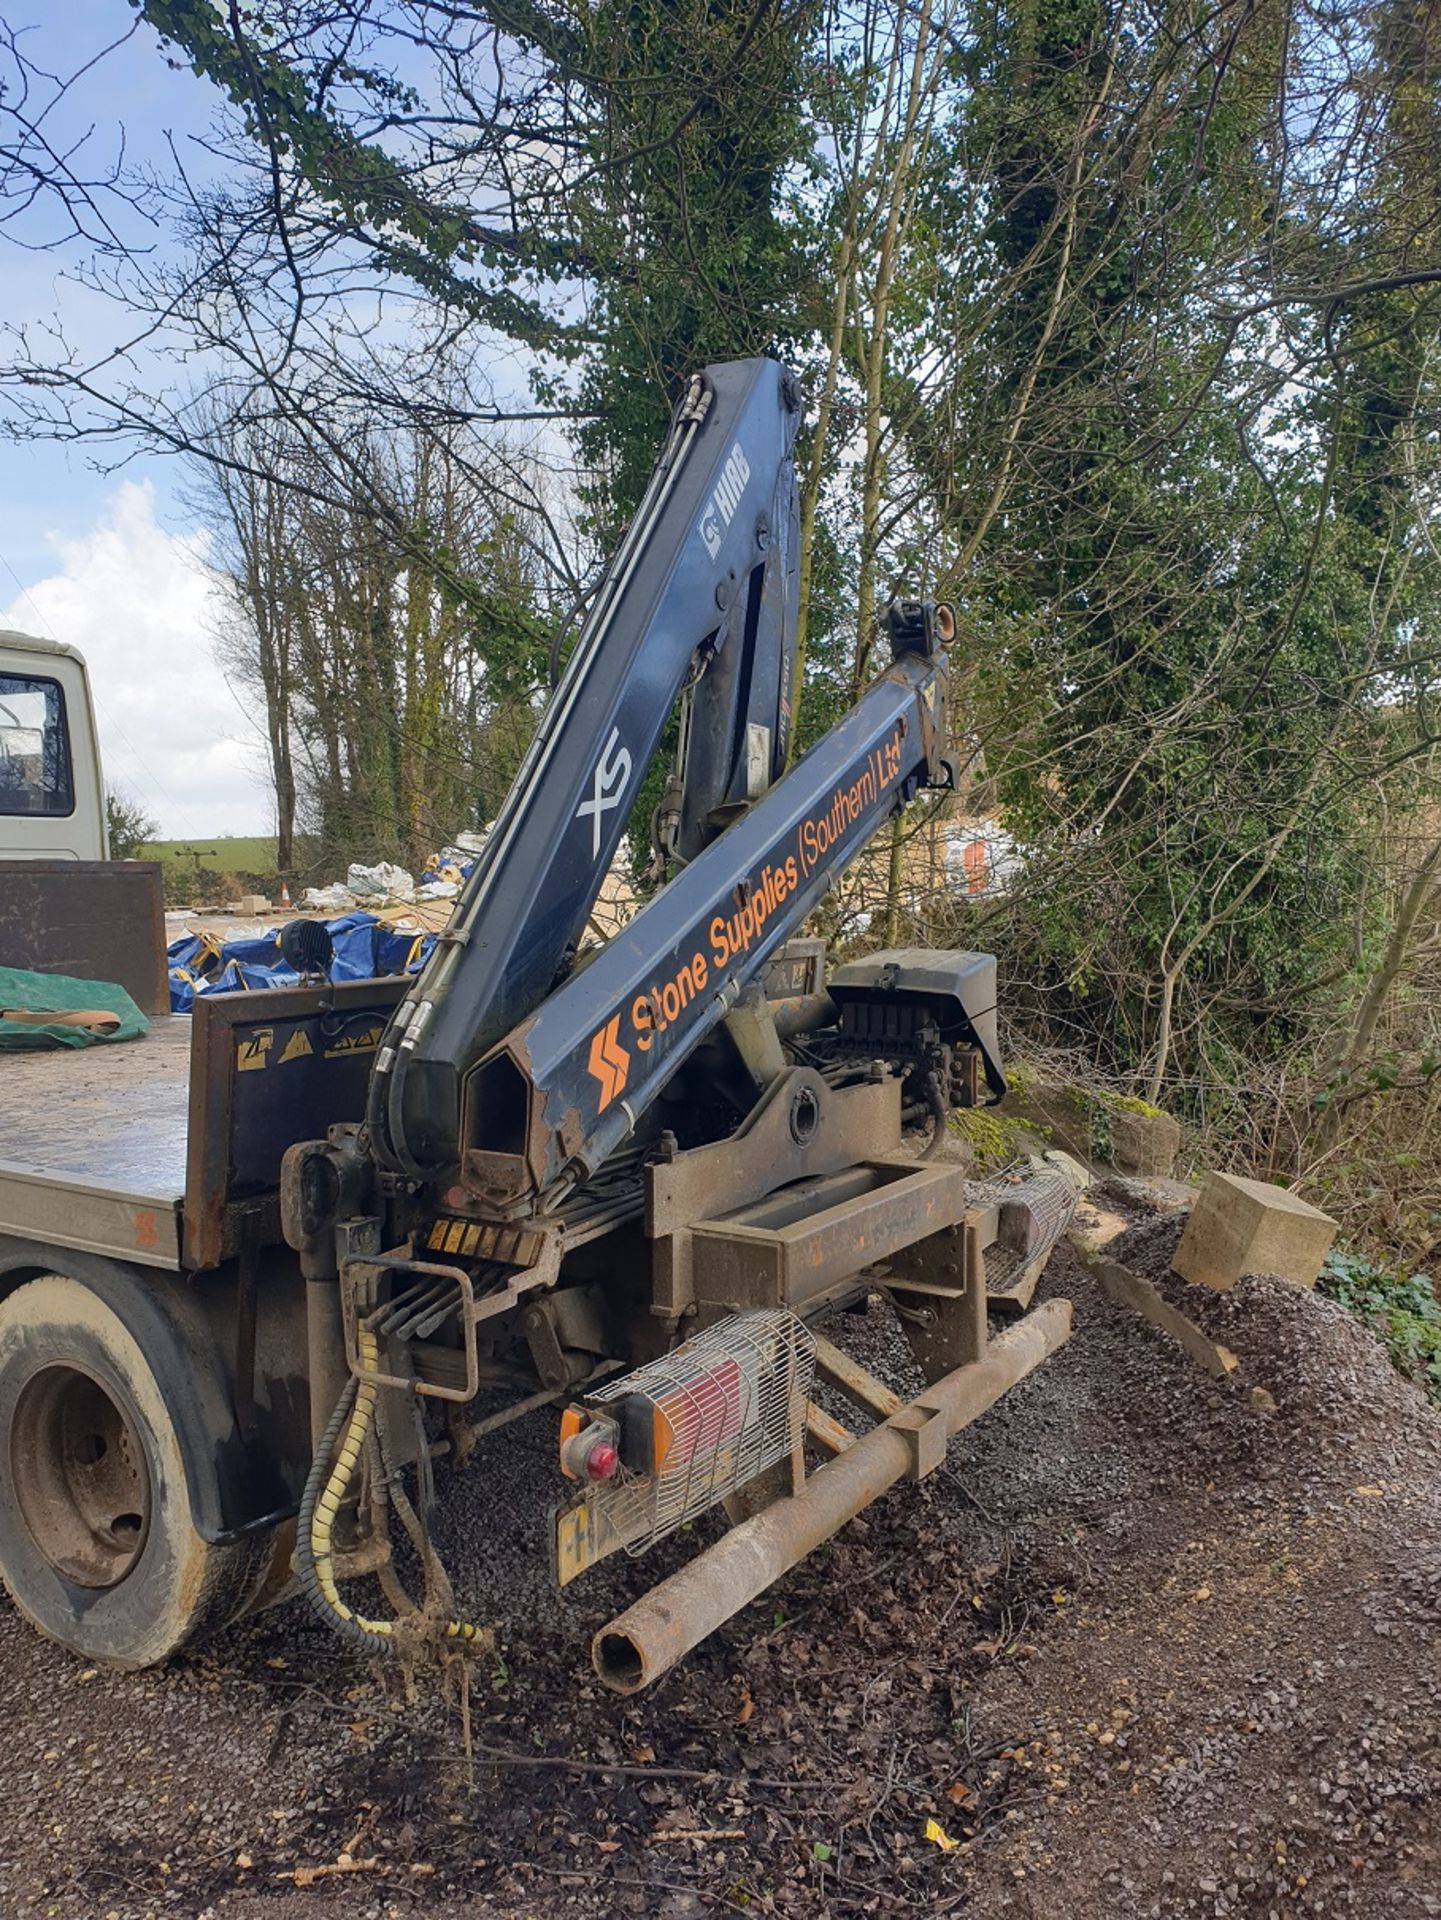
x,y
724,1407
1034,1212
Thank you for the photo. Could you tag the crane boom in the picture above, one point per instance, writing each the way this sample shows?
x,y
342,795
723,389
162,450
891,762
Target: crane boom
x,y
701,590
568,1085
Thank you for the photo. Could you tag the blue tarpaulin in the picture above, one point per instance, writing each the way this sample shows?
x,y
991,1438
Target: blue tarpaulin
x,y
365,948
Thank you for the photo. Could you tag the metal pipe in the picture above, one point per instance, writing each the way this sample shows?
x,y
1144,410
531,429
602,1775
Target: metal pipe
x,y
647,1639
803,1013
326,1368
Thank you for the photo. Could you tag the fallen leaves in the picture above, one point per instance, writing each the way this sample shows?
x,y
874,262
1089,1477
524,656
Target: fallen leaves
x,y
938,1837
747,1706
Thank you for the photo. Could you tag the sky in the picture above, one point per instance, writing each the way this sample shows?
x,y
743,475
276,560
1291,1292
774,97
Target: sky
x,y
99,544
138,601
113,562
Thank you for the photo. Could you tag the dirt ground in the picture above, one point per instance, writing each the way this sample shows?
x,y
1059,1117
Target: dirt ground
x,y
1143,1647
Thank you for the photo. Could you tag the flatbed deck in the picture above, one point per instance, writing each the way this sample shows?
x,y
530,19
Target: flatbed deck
x,y
93,1144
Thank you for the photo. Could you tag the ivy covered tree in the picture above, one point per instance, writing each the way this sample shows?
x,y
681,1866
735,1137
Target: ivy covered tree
x,y
1119,328
1181,621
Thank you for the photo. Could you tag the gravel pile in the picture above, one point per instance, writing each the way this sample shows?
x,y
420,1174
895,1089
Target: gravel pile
x,y
1316,1360
1138,1649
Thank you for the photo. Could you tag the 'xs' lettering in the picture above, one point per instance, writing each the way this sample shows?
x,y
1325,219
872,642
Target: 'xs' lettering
x,y
612,771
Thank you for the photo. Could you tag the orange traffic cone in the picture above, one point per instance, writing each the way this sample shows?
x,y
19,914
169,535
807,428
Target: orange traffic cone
x,y
284,894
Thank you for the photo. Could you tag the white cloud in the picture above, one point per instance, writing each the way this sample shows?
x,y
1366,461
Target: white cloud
x,y
139,604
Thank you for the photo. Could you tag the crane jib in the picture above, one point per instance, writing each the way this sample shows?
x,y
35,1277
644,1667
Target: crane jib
x,y
599,1049
700,599
720,944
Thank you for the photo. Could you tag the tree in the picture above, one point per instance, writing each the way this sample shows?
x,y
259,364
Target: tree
x,y
1151,548
131,829
697,134
399,690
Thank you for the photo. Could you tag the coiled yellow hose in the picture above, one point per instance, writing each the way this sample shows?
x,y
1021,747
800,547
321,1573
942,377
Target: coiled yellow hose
x,y
317,1537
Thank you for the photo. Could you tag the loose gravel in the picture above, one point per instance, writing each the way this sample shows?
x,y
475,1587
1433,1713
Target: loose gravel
x,y
1144,1646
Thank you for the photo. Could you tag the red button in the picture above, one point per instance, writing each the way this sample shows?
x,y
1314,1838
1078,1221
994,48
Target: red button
x,y
602,1461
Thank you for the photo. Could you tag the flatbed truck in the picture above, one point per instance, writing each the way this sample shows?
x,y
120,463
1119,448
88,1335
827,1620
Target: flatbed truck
x,y
257,1268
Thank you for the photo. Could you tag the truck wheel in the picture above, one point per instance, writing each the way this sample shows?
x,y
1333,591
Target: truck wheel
x,y
97,1545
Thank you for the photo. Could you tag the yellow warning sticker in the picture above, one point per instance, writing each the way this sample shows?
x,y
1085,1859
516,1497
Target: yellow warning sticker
x,y
252,1050
297,1047
363,1040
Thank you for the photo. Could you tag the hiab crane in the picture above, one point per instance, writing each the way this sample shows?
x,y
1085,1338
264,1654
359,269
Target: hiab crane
x,y
625,1182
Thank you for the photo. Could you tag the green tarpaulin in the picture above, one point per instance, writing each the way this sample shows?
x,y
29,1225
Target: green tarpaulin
x,y
57,993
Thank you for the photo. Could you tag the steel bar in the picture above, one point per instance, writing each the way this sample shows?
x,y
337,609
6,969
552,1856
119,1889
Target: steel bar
x,y
647,1639
802,1013
826,1430
854,1379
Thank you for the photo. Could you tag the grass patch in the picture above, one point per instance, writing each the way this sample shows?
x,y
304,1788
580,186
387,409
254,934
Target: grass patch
x,y
240,853
1401,1308
208,873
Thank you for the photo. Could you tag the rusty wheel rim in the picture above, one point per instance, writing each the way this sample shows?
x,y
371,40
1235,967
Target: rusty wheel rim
x,y
80,1476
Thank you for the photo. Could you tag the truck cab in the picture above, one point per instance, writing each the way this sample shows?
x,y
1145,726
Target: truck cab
x,y
52,794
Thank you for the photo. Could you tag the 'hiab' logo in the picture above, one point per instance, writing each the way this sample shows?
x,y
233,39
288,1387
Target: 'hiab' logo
x,y
609,1062
721,507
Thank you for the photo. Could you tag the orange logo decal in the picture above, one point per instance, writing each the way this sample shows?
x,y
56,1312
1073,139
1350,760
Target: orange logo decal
x,y
609,1061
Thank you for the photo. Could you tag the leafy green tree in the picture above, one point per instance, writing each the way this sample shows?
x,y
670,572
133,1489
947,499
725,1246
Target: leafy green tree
x,y
1180,623
130,827
698,133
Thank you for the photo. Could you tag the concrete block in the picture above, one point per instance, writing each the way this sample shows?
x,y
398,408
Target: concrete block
x,y
1079,1175
1246,1226
254,903
1143,1143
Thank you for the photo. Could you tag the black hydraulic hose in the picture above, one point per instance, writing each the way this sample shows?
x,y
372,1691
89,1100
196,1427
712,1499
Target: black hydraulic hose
x,y
938,1105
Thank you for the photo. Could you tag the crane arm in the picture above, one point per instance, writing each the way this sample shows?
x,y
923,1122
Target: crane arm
x,y
569,1084
701,593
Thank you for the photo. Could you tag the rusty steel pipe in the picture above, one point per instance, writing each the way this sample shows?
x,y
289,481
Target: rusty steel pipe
x,y
802,1013
647,1639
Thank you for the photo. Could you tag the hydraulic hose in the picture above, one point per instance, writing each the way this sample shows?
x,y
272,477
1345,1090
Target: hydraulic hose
x,y
326,1486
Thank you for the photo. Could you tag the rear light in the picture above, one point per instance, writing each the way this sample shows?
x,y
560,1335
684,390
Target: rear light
x,y
705,1416
679,1430
589,1448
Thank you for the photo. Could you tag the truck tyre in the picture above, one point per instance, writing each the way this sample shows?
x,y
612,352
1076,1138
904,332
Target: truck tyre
x,y
98,1547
